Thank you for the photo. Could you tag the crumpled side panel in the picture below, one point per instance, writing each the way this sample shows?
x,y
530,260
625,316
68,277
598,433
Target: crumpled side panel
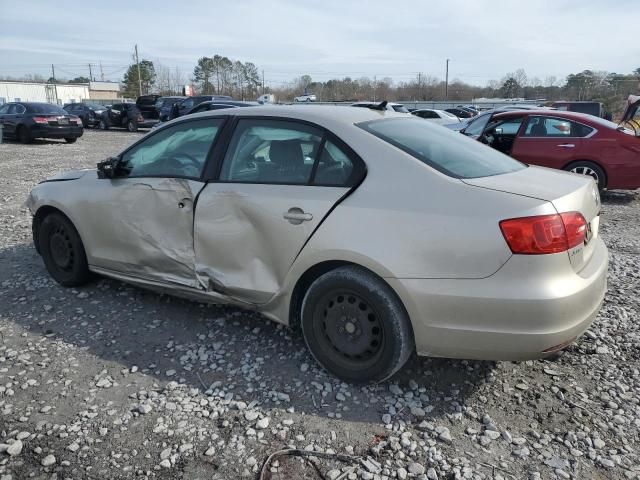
x,y
244,245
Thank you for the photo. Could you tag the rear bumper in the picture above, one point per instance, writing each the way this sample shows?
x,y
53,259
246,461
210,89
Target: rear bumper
x,y
42,131
521,312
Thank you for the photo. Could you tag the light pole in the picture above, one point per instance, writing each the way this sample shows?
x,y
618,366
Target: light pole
x,y
446,82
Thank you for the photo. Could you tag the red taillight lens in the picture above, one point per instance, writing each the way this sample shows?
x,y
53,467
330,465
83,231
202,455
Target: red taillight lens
x,y
77,120
41,119
544,234
576,227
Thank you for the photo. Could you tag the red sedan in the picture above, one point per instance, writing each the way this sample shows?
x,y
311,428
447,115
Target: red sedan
x,y
568,141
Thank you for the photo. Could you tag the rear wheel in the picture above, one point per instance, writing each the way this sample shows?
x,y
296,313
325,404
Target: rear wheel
x,y
70,139
62,251
24,135
132,126
591,169
355,326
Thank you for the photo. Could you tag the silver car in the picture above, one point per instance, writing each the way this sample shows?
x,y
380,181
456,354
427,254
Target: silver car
x,y
375,232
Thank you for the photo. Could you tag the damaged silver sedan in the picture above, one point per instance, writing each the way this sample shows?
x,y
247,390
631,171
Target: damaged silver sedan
x,y
375,233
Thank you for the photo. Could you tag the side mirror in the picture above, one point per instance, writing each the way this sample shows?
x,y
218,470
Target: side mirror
x,y
108,168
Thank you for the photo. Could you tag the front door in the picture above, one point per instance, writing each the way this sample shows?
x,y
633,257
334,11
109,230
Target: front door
x,y
549,141
142,220
278,181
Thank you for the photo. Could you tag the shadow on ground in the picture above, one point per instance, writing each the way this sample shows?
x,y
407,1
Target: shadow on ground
x,y
255,357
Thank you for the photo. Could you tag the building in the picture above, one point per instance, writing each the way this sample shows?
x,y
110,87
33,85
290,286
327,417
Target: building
x,y
104,91
60,93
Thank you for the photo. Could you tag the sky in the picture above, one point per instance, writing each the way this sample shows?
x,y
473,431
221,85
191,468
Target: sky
x,y
324,38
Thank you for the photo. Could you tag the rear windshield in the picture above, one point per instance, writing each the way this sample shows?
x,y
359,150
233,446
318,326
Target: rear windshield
x,y
448,152
45,108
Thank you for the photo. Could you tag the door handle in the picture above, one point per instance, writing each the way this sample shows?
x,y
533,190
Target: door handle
x,y
566,145
296,216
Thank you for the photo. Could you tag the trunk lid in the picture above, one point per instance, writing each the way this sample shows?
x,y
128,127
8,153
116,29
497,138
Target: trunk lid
x,y
568,192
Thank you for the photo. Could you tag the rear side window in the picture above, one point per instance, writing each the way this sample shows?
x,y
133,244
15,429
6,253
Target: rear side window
x,y
446,151
400,108
271,151
539,126
335,167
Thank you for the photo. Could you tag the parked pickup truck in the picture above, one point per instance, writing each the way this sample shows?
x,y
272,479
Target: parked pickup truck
x,y
131,116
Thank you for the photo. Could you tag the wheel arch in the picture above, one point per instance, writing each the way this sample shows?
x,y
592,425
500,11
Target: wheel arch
x,y
589,160
315,271
40,214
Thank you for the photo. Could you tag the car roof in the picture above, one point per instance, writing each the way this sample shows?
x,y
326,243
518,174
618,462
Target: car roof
x,y
554,113
326,115
376,103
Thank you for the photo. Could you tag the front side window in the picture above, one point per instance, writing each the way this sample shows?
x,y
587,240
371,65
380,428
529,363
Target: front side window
x,y
507,127
187,103
4,109
271,151
177,151
538,126
441,149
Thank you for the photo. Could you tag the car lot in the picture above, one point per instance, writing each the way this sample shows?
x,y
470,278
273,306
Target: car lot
x,y
114,381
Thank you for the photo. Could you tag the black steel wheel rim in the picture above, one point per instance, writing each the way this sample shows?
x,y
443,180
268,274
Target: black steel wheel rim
x,y
61,249
349,329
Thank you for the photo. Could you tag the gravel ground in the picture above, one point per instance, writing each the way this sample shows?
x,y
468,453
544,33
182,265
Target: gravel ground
x,y
110,381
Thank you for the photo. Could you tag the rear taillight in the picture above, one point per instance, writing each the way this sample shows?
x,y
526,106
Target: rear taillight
x,y
41,119
544,234
77,120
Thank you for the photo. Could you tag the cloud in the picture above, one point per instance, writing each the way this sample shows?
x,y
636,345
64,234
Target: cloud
x,y
484,39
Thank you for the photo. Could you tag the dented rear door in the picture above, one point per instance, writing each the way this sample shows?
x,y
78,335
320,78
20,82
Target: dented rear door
x,y
247,236
278,181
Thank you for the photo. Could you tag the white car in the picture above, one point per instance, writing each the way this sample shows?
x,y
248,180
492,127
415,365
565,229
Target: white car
x,y
394,107
305,98
436,116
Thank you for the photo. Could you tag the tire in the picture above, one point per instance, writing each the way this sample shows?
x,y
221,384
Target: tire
x,y
132,126
70,139
62,251
308,100
103,125
589,168
24,135
355,326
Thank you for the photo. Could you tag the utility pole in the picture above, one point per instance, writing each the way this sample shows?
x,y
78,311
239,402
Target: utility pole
x,y
53,77
375,84
101,72
139,78
263,82
90,74
419,85
446,82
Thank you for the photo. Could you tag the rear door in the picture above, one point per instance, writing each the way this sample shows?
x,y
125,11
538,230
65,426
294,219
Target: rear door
x,y
277,182
4,115
550,141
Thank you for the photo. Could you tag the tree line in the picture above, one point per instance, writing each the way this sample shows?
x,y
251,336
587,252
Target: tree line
x,y
221,75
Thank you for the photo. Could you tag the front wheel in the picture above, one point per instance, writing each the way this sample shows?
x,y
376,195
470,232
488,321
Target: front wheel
x,y
62,251
132,126
590,169
70,139
355,326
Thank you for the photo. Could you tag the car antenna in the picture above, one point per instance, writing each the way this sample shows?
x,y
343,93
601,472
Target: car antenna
x,y
380,106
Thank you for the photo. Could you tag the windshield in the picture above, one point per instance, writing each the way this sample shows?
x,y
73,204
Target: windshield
x,y
446,151
45,108
95,106
400,108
